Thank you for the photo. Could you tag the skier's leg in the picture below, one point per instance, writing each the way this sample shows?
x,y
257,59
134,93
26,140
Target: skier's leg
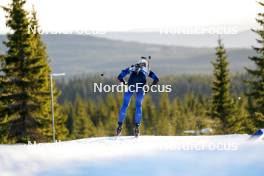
x,y
126,101
139,100
138,114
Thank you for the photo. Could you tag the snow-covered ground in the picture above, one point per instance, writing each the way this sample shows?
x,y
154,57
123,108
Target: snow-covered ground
x,y
146,155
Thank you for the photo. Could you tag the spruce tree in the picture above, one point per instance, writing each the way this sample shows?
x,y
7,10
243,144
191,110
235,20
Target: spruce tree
x,y
42,91
149,117
69,111
82,124
164,126
112,114
256,83
222,103
24,80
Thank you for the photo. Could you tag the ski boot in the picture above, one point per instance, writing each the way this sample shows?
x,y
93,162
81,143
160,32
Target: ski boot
x,y
136,130
119,129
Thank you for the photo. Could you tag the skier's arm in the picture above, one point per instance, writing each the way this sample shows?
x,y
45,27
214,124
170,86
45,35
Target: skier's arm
x,y
154,77
123,74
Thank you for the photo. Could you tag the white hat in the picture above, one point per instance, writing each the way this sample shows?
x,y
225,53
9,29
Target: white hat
x,y
143,61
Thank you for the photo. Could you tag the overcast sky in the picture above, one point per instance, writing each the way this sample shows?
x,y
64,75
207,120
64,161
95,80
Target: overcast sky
x,y
126,15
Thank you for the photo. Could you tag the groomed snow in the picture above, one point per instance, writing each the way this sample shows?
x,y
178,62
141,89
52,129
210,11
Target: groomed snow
x,y
146,155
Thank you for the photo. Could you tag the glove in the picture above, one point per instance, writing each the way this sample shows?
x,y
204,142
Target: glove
x,y
122,81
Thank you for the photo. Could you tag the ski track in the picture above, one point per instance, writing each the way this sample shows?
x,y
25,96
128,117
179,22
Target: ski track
x,y
146,155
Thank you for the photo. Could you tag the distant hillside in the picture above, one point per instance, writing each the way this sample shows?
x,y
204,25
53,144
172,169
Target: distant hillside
x,y
76,54
243,39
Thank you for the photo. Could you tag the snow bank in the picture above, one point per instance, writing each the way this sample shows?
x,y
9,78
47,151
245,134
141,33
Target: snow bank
x,y
146,155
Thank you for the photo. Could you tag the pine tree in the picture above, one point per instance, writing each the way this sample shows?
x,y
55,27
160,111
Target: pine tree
x,y
149,118
25,80
112,114
189,108
164,125
69,111
246,124
256,83
180,119
82,124
222,103
42,81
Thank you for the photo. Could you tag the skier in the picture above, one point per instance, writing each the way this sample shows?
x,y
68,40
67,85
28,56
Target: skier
x,y
138,75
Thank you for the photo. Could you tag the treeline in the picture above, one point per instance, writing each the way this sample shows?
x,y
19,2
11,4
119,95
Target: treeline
x,y
187,107
198,85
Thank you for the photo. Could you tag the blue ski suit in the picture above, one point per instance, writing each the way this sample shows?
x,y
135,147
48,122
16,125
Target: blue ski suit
x,y
135,78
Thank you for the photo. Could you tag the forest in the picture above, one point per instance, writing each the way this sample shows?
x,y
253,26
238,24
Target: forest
x,y
186,108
